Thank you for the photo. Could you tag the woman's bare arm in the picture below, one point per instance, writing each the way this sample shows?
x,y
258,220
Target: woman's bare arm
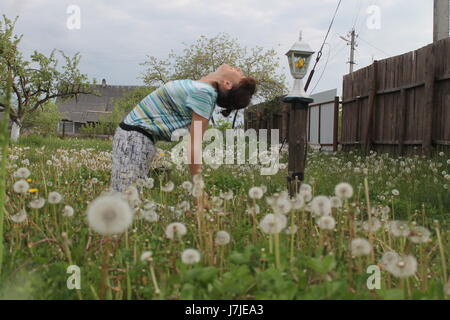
x,y
197,129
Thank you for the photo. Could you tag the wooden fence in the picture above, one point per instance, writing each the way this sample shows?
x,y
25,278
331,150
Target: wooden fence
x,y
399,105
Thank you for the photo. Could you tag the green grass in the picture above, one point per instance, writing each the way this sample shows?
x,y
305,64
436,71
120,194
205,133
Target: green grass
x,y
321,266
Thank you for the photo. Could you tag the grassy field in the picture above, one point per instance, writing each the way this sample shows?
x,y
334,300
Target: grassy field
x,y
249,239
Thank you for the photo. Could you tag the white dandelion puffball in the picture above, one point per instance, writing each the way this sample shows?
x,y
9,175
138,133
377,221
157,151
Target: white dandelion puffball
x,y
150,215
399,228
298,202
344,190
321,206
190,256
326,223
175,229
21,186
54,197
37,203
419,234
149,183
360,247
22,173
109,215
305,188
388,258
68,211
255,193
307,196
131,193
253,210
403,266
227,195
336,202
282,206
273,223
395,192
21,216
168,187
222,238
146,256
373,226
187,185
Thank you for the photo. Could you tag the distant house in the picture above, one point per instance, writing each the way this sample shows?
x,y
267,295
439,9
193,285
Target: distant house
x,y
87,108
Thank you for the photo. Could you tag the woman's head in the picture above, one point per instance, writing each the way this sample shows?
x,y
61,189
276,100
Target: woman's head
x,y
235,90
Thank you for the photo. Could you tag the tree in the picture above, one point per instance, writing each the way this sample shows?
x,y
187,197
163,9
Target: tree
x,y
207,54
44,121
35,82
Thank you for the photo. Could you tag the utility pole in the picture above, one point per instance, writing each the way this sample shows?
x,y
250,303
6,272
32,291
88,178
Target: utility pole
x,y
352,43
441,23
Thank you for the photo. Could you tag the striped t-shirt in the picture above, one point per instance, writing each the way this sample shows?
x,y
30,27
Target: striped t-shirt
x,y
170,107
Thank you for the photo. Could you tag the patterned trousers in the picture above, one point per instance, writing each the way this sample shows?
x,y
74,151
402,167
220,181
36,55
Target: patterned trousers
x,y
132,153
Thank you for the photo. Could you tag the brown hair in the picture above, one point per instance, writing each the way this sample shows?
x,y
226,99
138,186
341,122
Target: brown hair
x,y
238,97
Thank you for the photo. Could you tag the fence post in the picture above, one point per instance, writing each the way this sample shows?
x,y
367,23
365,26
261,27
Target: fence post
x,y
430,75
336,124
370,109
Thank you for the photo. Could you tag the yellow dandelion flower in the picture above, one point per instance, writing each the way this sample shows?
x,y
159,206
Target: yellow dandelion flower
x,y
33,190
162,154
29,180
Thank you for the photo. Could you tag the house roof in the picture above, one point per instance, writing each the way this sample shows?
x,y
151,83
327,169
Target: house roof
x,y
89,107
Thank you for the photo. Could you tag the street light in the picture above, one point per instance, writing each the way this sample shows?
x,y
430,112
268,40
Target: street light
x,y
299,57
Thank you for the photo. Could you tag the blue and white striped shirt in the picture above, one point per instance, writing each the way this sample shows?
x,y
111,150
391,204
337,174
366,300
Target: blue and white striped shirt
x,y
170,107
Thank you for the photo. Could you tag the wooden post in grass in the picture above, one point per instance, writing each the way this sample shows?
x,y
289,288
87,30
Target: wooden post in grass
x,y
297,142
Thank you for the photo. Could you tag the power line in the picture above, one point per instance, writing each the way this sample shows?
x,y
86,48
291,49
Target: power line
x,y
319,54
381,50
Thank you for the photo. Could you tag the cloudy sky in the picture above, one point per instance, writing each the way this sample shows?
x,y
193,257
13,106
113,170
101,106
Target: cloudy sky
x,y
116,35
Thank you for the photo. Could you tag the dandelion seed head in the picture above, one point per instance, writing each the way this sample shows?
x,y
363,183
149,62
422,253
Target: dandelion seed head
x,y
336,202
19,217
398,228
168,187
22,173
190,256
68,211
175,229
54,197
37,203
222,238
343,190
21,186
321,206
360,247
109,215
255,193
403,266
326,223
419,234
273,223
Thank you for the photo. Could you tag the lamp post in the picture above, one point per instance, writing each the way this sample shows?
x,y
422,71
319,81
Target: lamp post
x,y
299,57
